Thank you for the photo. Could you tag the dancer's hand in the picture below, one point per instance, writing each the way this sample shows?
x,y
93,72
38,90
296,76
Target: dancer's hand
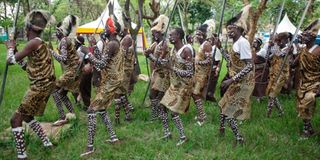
x,y
226,83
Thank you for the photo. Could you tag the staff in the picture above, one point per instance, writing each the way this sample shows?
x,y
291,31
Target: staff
x,y
6,68
273,34
215,49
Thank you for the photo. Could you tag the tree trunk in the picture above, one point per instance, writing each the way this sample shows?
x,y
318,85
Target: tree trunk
x,y
134,32
185,17
254,20
5,16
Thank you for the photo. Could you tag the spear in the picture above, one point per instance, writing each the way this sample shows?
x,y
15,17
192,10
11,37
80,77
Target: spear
x,y
164,38
6,68
292,40
215,50
269,47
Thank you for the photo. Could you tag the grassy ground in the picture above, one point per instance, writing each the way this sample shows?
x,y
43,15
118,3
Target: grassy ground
x,y
266,138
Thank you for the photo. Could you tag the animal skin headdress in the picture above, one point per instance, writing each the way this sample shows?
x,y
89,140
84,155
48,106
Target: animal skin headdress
x,y
241,19
38,20
313,28
69,25
208,27
160,24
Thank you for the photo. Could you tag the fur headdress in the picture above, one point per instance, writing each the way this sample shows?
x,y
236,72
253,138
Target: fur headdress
x,y
160,24
313,28
241,19
208,27
38,19
69,25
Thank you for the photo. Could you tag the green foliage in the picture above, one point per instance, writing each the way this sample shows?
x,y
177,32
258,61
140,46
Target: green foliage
x,y
5,22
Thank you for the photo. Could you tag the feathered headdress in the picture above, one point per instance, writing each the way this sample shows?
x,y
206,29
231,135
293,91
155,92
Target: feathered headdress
x,y
208,27
241,19
313,28
160,24
38,19
69,25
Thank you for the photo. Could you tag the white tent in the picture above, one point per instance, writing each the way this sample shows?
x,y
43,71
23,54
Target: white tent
x,y
98,25
286,26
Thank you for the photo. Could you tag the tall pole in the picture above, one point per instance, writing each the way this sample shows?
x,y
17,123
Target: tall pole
x,y
14,37
215,49
273,34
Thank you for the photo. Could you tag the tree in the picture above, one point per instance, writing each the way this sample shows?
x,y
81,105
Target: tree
x,y
255,15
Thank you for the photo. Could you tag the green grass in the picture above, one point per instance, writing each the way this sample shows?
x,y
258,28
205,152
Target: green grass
x,y
266,138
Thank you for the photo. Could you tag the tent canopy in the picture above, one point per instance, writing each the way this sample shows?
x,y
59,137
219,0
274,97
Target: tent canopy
x,y
98,25
286,26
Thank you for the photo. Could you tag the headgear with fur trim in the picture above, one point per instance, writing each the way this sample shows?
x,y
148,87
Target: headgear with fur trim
x,y
160,24
37,20
208,27
313,28
80,40
284,35
69,25
241,19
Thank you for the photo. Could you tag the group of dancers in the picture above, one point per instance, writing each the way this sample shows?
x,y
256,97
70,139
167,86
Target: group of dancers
x,y
179,73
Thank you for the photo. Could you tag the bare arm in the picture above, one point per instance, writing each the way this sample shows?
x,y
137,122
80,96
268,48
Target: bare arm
x,y
31,46
189,71
207,49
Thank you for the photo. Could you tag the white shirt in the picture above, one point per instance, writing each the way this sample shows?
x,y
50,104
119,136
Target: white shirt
x,y
80,53
100,45
242,46
217,56
263,51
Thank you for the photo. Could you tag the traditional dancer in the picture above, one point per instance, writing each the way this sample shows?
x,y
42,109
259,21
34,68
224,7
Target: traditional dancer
x,y
41,75
85,82
98,51
278,52
261,69
202,68
309,74
177,97
70,79
235,104
160,79
215,68
111,68
121,100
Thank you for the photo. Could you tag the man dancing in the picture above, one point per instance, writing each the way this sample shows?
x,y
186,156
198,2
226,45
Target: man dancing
x,y
41,75
214,75
111,68
177,97
202,68
127,51
235,103
278,51
160,79
85,82
70,79
309,73
261,69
